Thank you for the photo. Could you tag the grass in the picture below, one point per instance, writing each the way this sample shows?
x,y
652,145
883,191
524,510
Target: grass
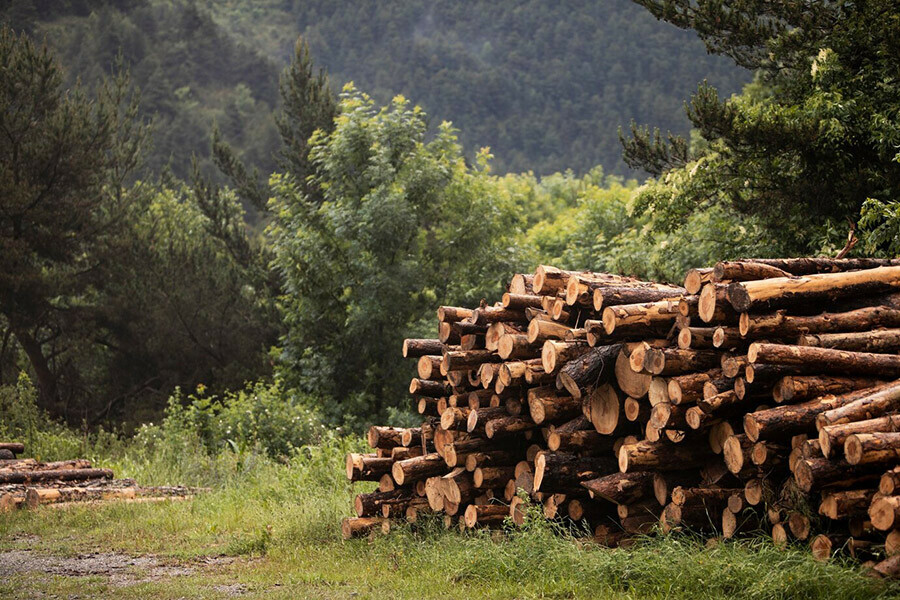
x,y
280,523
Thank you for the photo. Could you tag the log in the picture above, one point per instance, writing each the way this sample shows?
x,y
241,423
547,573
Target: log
x,y
520,301
796,388
876,403
586,441
479,416
694,279
733,366
813,265
369,505
768,293
713,499
464,360
669,416
508,426
485,514
385,437
492,477
605,409
429,367
540,331
431,389
352,527
638,318
550,405
633,384
556,470
687,388
419,467
846,504
521,283
661,456
872,449
832,437
14,447
452,314
622,488
516,346
720,403
781,325
55,474
411,436
816,473
675,361
612,295
746,270
594,367
635,410
736,452
554,354
713,307
493,314
826,360
885,513
889,483
784,421
879,341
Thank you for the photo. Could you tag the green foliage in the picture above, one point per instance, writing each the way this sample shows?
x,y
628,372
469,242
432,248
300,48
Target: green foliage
x,y
63,165
880,224
191,72
403,224
809,142
544,85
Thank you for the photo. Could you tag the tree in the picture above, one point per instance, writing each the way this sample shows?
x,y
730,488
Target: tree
x,y
64,162
809,142
401,223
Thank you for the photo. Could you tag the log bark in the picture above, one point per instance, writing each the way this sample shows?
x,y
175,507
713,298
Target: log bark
x,y
784,421
827,360
420,467
517,346
463,360
846,504
14,447
555,354
584,442
695,279
431,389
55,474
661,456
622,488
556,470
611,295
879,341
713,306
594,367
816,473
520,301
521,283
885,513
452,314
872,449
745,270
687,388
878,402
369,505
779,325
485,514
889,484
635,410
494,314
508,426
550,405
353,527
675,361
385,437
832,437
631,318
797,388
633,384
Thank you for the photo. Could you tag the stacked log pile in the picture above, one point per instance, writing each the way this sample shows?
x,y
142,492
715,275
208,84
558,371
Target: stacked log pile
x,y
28,483
763,395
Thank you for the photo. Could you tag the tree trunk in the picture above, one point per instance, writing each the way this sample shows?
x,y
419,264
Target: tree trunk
x,y
687,388
871,403
555,354
797,388
879,341
617,295
832,437
420,467
779,325
846,504
622,488
695,279
782,291
592,368
661,456
741,270
414,348
675,361
639,318
872,448
826,360
555,470
55,474
48,398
